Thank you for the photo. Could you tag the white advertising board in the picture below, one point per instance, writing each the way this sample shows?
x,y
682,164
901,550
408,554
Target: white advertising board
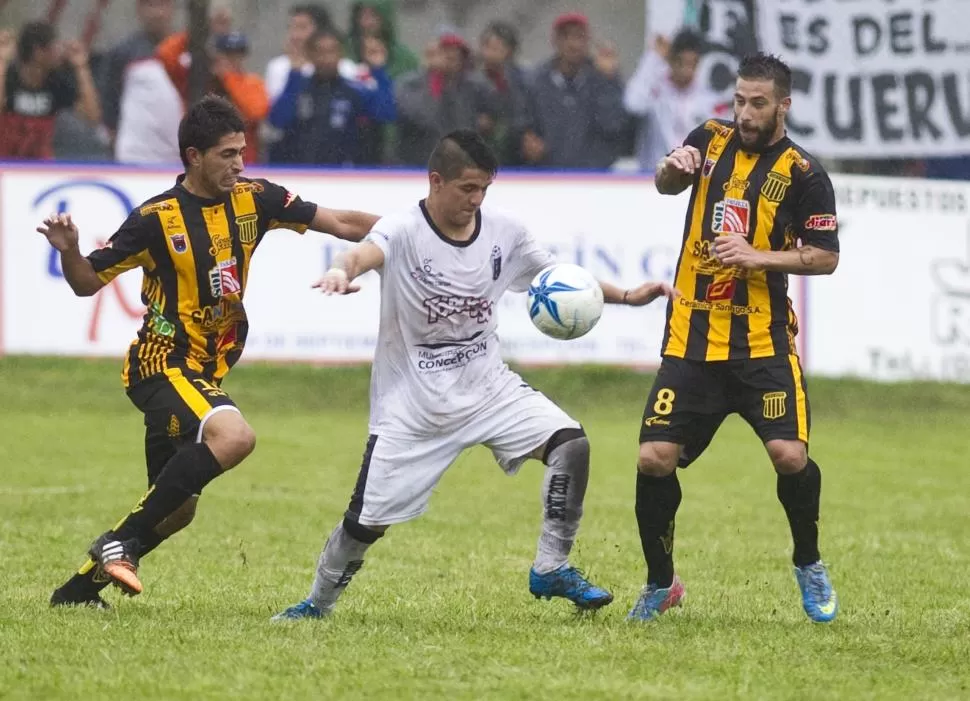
x,y
619,228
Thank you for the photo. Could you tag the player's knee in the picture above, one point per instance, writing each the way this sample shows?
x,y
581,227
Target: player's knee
x,y
178,519
568,448
230,438
788,457
363,534
658,459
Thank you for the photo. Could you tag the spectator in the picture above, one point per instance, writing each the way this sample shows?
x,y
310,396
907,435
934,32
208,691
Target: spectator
x,y
667,96
37,87
305,21
377,18
498,46
574,116
155,20
444,97
228,77
150,110
320,115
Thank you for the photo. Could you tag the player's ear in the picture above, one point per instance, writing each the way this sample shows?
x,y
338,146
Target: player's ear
x,y
436,180
193,155
785,105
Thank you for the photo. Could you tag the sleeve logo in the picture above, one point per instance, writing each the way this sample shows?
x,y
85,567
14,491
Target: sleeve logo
x,y
822,222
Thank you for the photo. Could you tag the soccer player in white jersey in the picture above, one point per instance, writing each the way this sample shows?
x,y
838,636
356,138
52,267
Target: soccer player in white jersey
x,y
439,385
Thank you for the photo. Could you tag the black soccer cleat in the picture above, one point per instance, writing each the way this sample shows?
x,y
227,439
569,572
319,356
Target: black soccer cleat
x,y
119,561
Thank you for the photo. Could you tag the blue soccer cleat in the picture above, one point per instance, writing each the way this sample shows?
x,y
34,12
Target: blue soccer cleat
x,y
569,583
304,609
819,600
654,600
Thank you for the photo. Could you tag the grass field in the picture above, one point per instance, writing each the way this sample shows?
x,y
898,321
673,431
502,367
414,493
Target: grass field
x,y
441,609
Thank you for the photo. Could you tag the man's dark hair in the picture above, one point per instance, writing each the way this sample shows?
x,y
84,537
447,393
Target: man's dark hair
x,y
686,40
459,150
206,122
504,31
33,36
324,33
319,14
762,66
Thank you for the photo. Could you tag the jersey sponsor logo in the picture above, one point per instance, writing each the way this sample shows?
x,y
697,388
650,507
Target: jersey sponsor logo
x,y
248,187
444,306
248,226
179,243
158,323
426,274
822,222
739,185
496,262
288,199
775,187
215,318
156,207
798,161
774,405
224,278
718,128
708,168
731,216
451,357
220,242
656,421
720,290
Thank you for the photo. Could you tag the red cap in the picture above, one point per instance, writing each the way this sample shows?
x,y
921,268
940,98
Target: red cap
x,y
568,18
450,39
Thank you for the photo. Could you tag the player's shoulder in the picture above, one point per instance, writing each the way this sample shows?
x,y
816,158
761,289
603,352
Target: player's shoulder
x,y
399,222
804,166
254,185
502,222
154,207
721,127
710,129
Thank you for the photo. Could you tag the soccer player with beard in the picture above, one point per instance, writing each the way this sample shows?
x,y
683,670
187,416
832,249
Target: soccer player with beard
x,y
760,209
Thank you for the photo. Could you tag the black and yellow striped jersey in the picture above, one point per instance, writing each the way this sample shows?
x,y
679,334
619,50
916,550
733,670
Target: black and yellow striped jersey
x,y
195,254
775,198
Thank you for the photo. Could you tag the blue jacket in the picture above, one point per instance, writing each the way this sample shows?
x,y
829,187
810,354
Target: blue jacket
x,y
320,118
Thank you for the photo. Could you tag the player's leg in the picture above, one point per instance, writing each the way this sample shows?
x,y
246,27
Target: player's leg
x,y
85,586
396,478
525,424
682,413
775,403
222,439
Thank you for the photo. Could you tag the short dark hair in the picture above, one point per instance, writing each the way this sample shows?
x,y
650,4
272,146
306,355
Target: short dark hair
x,y
459,150
206,122
505,32
686,40
324,33
33,36
319,14
762,66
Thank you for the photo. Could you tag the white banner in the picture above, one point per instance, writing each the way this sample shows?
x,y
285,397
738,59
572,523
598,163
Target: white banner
x,y
618,228
898,307
871,79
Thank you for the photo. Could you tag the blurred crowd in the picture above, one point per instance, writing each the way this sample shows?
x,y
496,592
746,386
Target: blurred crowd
x,y
355,95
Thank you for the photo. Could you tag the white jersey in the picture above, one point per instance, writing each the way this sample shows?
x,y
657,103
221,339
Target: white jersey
x,y
437,361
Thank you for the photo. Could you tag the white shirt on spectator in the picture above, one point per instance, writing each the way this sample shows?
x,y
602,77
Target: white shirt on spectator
x,y
150,112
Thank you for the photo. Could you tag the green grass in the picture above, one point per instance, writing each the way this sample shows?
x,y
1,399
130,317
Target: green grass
x,y
441,610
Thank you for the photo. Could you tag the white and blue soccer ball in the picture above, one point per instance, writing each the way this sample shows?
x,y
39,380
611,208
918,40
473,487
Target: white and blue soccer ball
x,y
565,301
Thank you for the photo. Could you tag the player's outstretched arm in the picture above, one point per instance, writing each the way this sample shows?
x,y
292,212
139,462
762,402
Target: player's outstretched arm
x,y
62,234
675,172
345,224
637,296
360,259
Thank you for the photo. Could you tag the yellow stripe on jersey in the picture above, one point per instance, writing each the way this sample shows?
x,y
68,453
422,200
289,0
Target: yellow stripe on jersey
x,y
247,223
772,193
691,258
801,402
719,320
192,397
142,259
183,260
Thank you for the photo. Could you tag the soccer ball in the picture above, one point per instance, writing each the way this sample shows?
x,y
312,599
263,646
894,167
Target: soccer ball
x,y
565,301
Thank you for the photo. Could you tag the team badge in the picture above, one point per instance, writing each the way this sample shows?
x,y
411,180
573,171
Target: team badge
x,y
731,217
248,227
496,262
179,243
774,405
775,187
708,167
224,278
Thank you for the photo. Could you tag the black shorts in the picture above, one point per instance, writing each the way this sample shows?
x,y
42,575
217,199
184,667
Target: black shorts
x,y
691,398
174,403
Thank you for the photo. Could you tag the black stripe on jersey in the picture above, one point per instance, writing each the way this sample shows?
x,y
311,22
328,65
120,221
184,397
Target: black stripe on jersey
x,y
204,260
688,219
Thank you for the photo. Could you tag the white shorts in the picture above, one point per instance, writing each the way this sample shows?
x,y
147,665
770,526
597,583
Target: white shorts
x,y
400,470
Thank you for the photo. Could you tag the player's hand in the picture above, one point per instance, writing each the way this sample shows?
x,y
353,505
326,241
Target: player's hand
x,y
734,250
649,291
683,159
60,231
336,282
